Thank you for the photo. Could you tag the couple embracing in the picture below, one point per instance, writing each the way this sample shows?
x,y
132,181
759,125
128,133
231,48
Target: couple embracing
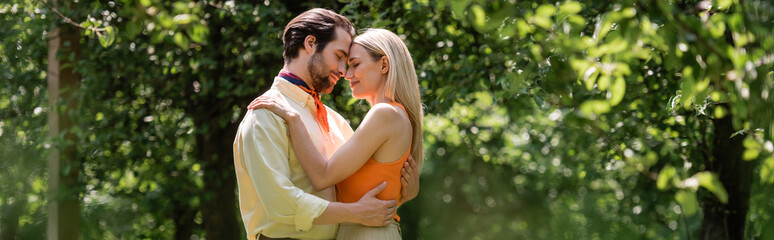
x,y
302,172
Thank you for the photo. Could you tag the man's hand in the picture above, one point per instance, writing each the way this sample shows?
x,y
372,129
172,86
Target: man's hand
x,y
409,180
371,211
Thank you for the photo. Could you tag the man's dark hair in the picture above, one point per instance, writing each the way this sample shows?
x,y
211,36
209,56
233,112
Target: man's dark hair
x,y
318,22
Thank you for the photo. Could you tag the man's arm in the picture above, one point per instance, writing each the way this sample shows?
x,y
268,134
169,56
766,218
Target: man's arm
x,y
369,210
266,159
265,149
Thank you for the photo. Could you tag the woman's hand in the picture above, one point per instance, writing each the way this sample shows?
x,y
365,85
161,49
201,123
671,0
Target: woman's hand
x,y
409,180
270,102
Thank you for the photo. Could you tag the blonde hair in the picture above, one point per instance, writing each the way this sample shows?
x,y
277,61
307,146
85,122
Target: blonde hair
x,y
402,84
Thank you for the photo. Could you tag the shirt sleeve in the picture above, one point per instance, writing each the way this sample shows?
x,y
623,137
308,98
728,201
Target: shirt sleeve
x,y
266,145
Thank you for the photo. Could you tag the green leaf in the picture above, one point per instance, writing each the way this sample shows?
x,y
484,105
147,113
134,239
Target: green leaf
x,y
603,27
183,19
546,10
717,27
629,12
108,37
111,32
524,28
722,4
165,20
750,154
617,91
542,21
590,77
595,107
458,7
665,176
687,201
711,182
720,112
603,82
570,7
87,24
180,40
479,16
4,102
767,170
539,100
198,33
752,148
158,37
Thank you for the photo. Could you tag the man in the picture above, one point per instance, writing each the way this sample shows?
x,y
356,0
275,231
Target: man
x,y
275,196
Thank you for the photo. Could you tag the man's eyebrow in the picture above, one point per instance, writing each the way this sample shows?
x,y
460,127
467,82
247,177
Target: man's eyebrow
x,y
342,52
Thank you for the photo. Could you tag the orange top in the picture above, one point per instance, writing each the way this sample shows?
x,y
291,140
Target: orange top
x,y
370,175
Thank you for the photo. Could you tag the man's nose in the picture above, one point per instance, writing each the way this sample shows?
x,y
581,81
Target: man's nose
x,y
342,69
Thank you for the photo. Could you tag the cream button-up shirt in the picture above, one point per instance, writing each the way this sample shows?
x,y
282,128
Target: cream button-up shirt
x,y
276,198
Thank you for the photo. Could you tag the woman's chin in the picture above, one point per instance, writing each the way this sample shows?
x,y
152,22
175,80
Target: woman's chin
x,y
357,95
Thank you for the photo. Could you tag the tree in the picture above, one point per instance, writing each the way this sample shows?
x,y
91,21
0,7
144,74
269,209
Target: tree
x,y
546,119
64,165
625,97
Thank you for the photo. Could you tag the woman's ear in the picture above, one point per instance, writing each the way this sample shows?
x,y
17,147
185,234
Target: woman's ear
x,y
385,64
310,44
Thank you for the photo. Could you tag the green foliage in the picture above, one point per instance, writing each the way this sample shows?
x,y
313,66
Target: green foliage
x,y
545,120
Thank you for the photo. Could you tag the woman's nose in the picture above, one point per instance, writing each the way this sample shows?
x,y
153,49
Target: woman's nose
x,y
342,69
348,76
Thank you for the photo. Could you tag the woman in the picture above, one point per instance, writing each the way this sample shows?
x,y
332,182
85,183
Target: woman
x,y
381,72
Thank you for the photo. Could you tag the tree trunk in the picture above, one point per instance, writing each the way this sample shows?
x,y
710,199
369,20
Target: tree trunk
x,y
726,221
219,198
64,201
215,150
183,217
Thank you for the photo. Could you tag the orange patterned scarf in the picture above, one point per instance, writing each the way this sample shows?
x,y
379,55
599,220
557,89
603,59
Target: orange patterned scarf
x,y
322,114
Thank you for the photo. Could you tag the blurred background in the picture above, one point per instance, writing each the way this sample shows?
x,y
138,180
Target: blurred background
x,y
634,119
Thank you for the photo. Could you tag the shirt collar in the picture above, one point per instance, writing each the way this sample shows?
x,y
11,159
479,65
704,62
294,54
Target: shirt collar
x,y
294,93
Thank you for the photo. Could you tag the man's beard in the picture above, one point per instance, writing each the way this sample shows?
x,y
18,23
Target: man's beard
x,y
320,76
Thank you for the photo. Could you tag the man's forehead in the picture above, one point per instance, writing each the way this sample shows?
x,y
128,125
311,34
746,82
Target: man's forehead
x,y
343,41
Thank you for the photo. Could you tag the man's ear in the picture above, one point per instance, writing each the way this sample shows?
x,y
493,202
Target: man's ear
x,y
310,44
385,62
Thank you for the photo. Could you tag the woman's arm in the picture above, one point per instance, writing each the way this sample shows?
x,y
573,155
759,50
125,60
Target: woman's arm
x,y
376,128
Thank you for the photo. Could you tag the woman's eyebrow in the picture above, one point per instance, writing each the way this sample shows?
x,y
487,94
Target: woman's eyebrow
x,y
352,59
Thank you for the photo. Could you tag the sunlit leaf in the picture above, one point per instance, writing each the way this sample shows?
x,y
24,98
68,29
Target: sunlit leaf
x,y
665,177
687,201
595,107
570,7
107,37
545,10
767,170
181,40
617,91
722,4
710,181
479,16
